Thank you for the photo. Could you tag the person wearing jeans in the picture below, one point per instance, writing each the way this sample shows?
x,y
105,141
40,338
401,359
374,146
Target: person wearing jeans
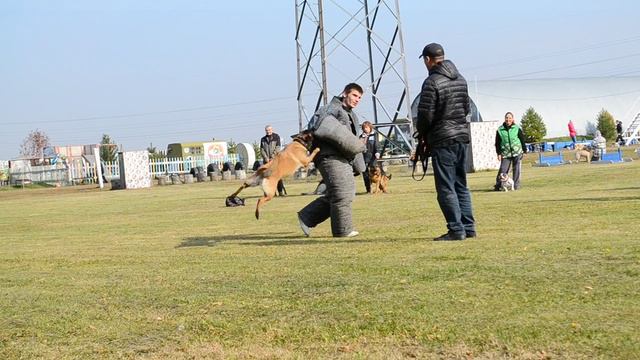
x,y
442,121
454,197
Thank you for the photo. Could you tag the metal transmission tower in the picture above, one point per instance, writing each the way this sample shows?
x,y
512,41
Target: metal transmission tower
x,y
339,42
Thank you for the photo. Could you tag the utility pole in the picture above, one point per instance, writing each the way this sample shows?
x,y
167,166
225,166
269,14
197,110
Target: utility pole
x,y
331,40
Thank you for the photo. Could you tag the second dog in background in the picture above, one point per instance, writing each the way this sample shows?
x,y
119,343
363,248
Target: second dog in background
x,y
379,180
582,152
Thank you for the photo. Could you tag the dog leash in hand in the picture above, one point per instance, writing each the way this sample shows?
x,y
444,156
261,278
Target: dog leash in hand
x,y
421,156
425,165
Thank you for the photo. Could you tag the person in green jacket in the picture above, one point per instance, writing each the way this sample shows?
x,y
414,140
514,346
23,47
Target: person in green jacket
x,y
510,146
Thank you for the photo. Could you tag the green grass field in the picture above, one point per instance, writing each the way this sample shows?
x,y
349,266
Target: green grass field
x,y
169,272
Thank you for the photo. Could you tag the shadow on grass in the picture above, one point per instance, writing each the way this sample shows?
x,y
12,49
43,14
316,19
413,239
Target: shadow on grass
x,y
270,239
624,188
249,197
607,198
484,190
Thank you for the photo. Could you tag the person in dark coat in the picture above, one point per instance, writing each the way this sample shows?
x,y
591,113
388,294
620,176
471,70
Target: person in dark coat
x,y
269,147
371,153
619,131
442,123
336,169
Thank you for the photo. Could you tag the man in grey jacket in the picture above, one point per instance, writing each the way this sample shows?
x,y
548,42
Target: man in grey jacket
x,y
335,166
442,113
269,147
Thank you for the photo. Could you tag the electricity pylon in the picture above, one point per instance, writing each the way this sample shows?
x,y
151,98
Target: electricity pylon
x,y
345,41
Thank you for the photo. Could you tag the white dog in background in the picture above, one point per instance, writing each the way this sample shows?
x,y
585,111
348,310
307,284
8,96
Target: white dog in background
x,y
506,182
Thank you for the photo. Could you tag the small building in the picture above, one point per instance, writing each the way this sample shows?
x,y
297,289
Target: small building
x,y
212,150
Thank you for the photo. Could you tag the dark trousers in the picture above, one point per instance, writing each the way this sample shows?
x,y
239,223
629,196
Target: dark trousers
x,y
454,197
366,179
365,175
505,165
281,189
337,174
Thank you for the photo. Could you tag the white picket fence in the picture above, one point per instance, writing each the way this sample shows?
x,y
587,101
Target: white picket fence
x,y
79,171
73,172
166,166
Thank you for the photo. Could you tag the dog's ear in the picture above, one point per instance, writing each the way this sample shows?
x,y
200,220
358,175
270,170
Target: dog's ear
x,y
306,136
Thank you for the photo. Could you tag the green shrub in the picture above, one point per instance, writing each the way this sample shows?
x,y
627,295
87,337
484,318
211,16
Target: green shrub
x,y
607,125
533,127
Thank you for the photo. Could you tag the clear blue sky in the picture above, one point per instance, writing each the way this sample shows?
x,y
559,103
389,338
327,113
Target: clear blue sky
x,y
160,71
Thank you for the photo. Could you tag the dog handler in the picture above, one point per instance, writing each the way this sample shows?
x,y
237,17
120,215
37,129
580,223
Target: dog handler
x,y
371,155
336,168
509,147
442,118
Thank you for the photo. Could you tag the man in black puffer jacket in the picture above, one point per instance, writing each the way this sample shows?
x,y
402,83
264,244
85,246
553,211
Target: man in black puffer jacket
x,y
442,121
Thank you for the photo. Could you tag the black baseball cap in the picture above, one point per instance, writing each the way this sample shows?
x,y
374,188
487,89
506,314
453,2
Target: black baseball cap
x,y
432,50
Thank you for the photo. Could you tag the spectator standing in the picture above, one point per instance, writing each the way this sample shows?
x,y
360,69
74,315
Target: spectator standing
x,y
269,147
510,149
371,153
619,130
442,122
572,132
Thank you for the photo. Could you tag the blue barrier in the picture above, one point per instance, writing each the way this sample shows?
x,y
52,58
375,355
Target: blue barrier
x,y
555,146
615,157
550,160
564,145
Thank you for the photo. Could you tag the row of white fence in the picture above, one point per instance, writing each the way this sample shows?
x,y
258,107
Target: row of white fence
x,y
80,171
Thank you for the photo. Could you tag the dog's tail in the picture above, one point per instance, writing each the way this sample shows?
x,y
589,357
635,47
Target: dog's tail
x,y
263,169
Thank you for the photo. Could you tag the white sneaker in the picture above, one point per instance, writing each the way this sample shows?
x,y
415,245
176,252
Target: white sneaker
x,y
353,233
305,229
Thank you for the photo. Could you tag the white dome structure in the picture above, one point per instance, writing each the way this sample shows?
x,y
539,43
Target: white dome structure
x,y
559,100
247,154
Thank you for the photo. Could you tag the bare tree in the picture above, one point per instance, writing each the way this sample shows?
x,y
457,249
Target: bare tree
x,y
34,143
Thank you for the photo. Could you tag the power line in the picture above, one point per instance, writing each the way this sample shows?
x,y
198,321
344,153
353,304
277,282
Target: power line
x,y
208,107
566,67
556,53
191,121
563,99
117,137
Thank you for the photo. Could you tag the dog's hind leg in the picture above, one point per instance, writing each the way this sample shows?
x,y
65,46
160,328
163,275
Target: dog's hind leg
x,y
269,187
242,187
261,202
253,180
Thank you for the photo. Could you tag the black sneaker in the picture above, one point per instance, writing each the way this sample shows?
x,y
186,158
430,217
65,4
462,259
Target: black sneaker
x,y
471,234
450,237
